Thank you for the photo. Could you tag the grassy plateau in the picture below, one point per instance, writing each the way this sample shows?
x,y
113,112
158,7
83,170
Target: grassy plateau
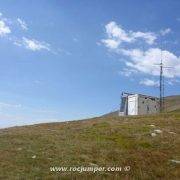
x,y
28,152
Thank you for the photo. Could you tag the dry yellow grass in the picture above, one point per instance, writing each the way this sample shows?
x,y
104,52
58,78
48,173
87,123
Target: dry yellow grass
x,y
28,152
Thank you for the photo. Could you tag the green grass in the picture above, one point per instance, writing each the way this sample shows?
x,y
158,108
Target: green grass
x,y
104,141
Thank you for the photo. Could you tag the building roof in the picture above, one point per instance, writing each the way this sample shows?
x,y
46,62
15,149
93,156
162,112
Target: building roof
x,y
129,94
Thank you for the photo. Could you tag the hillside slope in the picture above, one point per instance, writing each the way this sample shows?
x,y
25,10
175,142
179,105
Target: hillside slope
x,y
172,103
28,152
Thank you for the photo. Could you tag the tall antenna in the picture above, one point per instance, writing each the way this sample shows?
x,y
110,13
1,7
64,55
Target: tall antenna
x,y
161,84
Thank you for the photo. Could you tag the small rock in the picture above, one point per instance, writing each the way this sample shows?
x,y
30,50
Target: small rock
x,y
153,134
152,125
33,157
19,149
172,132
158,131
175,161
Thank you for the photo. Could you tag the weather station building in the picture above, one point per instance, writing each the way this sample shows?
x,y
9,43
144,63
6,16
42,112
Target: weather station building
x,y
138,104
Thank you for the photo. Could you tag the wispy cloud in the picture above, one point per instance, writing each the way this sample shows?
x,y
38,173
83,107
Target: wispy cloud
x,y
32,44
127,72
22,23
35,45
4,28
173,81
14,114
116,35
28,43
42,110
144,61
9,105
163,32
140,60
63,51
149,82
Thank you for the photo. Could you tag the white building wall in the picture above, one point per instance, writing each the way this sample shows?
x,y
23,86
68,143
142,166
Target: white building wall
x,y
133,104
141,105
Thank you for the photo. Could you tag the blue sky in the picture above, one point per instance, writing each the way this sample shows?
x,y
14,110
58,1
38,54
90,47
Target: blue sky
x,y
63,60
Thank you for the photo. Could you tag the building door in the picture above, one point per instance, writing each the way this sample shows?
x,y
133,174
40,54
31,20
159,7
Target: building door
x,y
132,106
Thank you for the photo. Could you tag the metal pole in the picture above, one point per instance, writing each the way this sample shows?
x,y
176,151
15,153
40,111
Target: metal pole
x,y
161,87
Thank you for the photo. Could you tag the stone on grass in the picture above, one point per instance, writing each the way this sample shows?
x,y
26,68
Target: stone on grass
x,y
153,134
34,156
172,132
175,161
158,131
152,125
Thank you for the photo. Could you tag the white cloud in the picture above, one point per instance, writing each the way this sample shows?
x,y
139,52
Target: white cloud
x,y
62,51
111,43
127,72
28,43
17,43
163,32
173,81
148,37
4,29
141,61
22,23
144,61
116,35
149,82
35,45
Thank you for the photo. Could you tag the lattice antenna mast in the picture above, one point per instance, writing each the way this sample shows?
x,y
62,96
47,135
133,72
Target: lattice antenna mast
x,y
161,84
